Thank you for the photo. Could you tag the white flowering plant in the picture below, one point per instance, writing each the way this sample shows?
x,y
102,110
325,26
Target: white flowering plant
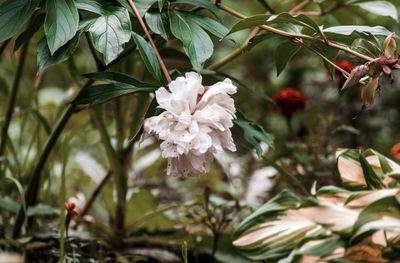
x,y
136,129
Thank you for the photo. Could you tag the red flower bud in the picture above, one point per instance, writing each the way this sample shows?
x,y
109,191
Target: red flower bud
x,y
289,101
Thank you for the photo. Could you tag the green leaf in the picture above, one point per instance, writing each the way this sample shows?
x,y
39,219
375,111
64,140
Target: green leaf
x,y
282,18
388,207
100,7
8,204
284,53
37,22
348,30
149,57
201,3
61,23
249,22
41,210
13,14
253,132
369,90
141,5
325,248
20,190
372,180
121,84
283,201
196,42
44,57
110,32
158,23
383,8
212,26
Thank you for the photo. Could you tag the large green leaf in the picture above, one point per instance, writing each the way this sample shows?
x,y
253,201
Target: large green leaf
x,y
284,53
141,5
149,57
13,14
110,32
196,42
61,24
212,26
254,133
100,7
383,8
201,3
121,84
158,23
45,59
372,179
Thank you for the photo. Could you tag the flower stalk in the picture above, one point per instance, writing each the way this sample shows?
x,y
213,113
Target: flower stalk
x,y
164,68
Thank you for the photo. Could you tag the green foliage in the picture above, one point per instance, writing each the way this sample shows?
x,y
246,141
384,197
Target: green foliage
x,y
13,14
325,225
61,23
120,85
149,57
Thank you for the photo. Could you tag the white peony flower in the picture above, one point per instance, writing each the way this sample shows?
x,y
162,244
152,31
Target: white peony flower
x,y
195,124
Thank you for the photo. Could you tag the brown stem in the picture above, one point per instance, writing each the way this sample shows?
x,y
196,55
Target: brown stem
x,y
299,6
302,36
94,194
164,68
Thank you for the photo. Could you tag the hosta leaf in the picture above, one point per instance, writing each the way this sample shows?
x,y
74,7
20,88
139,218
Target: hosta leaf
x,y
284,53
13,14
350,170
383,8
196,42
381,214
121,84
283,201
201,3
61,23
253,133
110,32
158,23
44,57
149,57
371,178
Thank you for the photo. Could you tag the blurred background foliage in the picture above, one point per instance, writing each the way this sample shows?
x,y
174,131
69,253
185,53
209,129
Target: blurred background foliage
x,y
166,215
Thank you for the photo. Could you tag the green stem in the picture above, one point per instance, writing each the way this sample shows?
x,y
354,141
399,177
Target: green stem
x,y
12,101
33,187
33,184
117,171
286,172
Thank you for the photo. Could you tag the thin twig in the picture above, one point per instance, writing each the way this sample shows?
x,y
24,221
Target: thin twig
x,y
299,6
302,36
94,194
164,68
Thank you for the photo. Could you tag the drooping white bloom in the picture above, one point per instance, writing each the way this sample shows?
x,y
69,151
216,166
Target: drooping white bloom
x,y
195,124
